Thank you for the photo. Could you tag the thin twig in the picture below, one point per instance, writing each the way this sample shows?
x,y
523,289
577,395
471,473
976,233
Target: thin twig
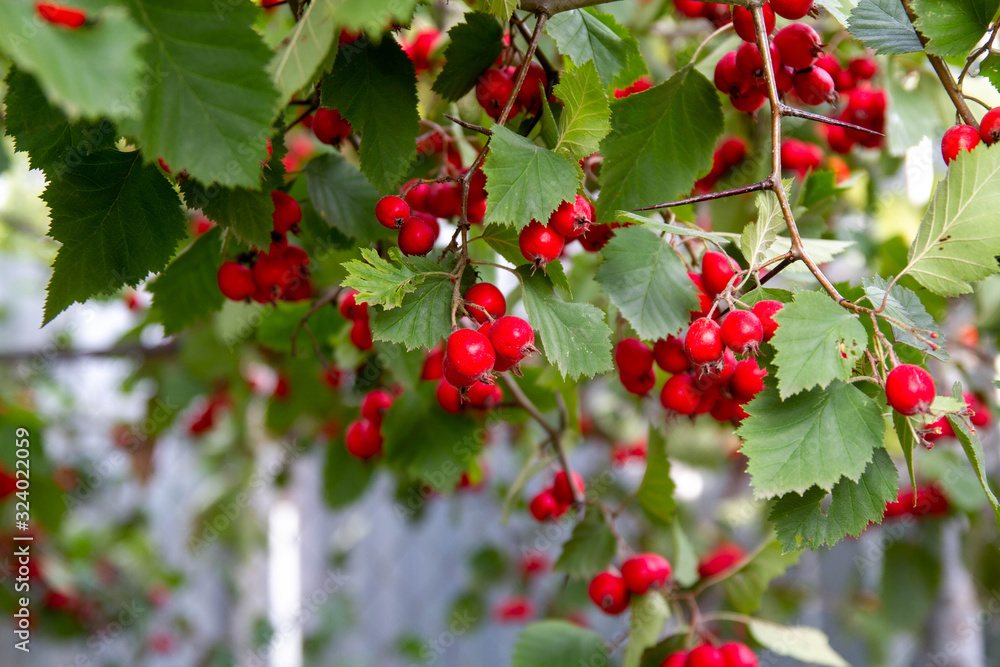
x,y
327,298
732,192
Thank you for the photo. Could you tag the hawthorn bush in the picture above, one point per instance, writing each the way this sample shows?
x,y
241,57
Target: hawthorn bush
x,y
419,213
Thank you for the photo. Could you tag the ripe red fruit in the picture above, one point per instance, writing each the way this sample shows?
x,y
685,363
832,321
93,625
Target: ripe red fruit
x,y
675,659
801,156
637,384
573,219
444,200
493,89
271,271
705,655
814,86
643,571
799,44
416,197
607,590
561,487
633,357
454,378
862,68
792,10
532,89
449,398
766,310
363,439
747,380
349,308
392,212
717,269
742,332
743,22
63,15
980,411
989,128
703,342
484,396
720,559
736,654
545,506
680,394
489,299
909,389
330,127
512,337
750,63
957,139
728,78
287,212
597,236
361,335
540,244
670,356
750,101
235,281
375,404
470,353
417,237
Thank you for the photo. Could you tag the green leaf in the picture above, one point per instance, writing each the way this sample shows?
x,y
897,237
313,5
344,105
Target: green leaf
x,y
974,452
817,341
884,26
307,49
839,9
281,321
906,432
648,615
954,27
381,283
586,118
680,230
504,240
815,518
746,587
345,477
685,560
589,549
187,291
502,9
811,439
809,645
758,236
574,335
648,282
819,186
375,88
904,305
422,319
911,576
661,141
248,213
473,47
990,68
958,240
656,493
584,35
343,197
91,72
370,16
515,168
558,644
117,220
209,108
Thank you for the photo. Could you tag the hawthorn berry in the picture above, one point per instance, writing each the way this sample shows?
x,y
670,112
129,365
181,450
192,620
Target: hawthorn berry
x,y
749,101
980,411
736,654
363,439
530,97
361,335
742,332
675,659
454,378
704,301
544,506
470,353
957,139
448,397
989,128
349,308
862,68
287,212
493,89
792,10
633,357
561,486
417,237
271,272
680,394
57,14
728,78
608,591
743,22
637,384
598,236
235,281
669,355
375,404
814,86
540,244
747,380
909,389
766,310
512,337
703,342
799,44
720,559
444,200
330,127
484,396
416,196
573,219
644,571
801,156
749,62
485,302
717,269
392,212
705,655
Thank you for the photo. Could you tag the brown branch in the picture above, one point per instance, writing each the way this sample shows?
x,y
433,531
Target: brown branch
x,y
470,126
820,118
326,299
754,187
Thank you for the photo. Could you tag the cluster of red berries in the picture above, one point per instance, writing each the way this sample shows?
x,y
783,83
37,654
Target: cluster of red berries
x,y
716,12
865,105
731,654
61,15
730,153
429,201
927,501
801,157
554,500
978,412
480,396
357,314
417,231
540,244
611,592
965,137
495,86
364,435
329,126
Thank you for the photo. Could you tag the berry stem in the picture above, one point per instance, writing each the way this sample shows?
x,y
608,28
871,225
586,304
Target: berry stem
x,y
732,192
470,126
324,300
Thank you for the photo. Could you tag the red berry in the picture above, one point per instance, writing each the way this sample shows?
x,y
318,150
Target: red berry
x,y
573,219
801,156
416,237
742,332
670,355
747,380
485,396
726,409
750,63
980,411
361,335
743,22
692,9
489,299
736,654
909,389
863,68
392,212
633,357
703,342
512,337
449,398
643,571
957,139
540,244
813,85
236,281
287,212
766,310
493,89
271,272
454,378
705,655
63,15
363,439
416,197
750,101
799,44
717,269
544,506
532,89
597,236
561,487
728,78
444,200
637,384
375,404
838,139
720,559
470,353
680,394
349,308
607,590
329,127
989,128
675,659
792,10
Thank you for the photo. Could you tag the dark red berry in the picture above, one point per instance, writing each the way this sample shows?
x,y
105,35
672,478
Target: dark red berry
x,y
540,244
484,396
862,68
56,14
598,236
705,655
608,591
470,353
638,384
633,358
736,654
572,219
361,335
675,659
454,378
236,281
717,269
989,128
444,200
743,22
747,380
349,308
909,389
644,571
330,127
728,78
449,398
544,506
720,559
742,332
814,86
512,337
680,395
957,139
485,302
799,44
703,342
792,10
750,63
432,369
416,237
530,96
363,439
375,404
493,89
750,101
561,486
766,310
669,355
392,212
287,212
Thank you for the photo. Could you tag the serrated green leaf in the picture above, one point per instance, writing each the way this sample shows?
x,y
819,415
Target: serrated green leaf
x,y
661,141
91,72
648,282
819,185
953,27
378,282
584,35
746,587
680,230
502,9
821,250
210,89
307,48
556,274
904,305
558,644
514,169
760,235
809,645
422,319
817,341
371,16
474,46
656,492
685,560
248,213
811,439
343,197
574,335
974,452
375,88
807,521
345,477
884,26
990,68
187,291
906,432
586,118
589,549
648,615
958,240
839,9
117,220
504,240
